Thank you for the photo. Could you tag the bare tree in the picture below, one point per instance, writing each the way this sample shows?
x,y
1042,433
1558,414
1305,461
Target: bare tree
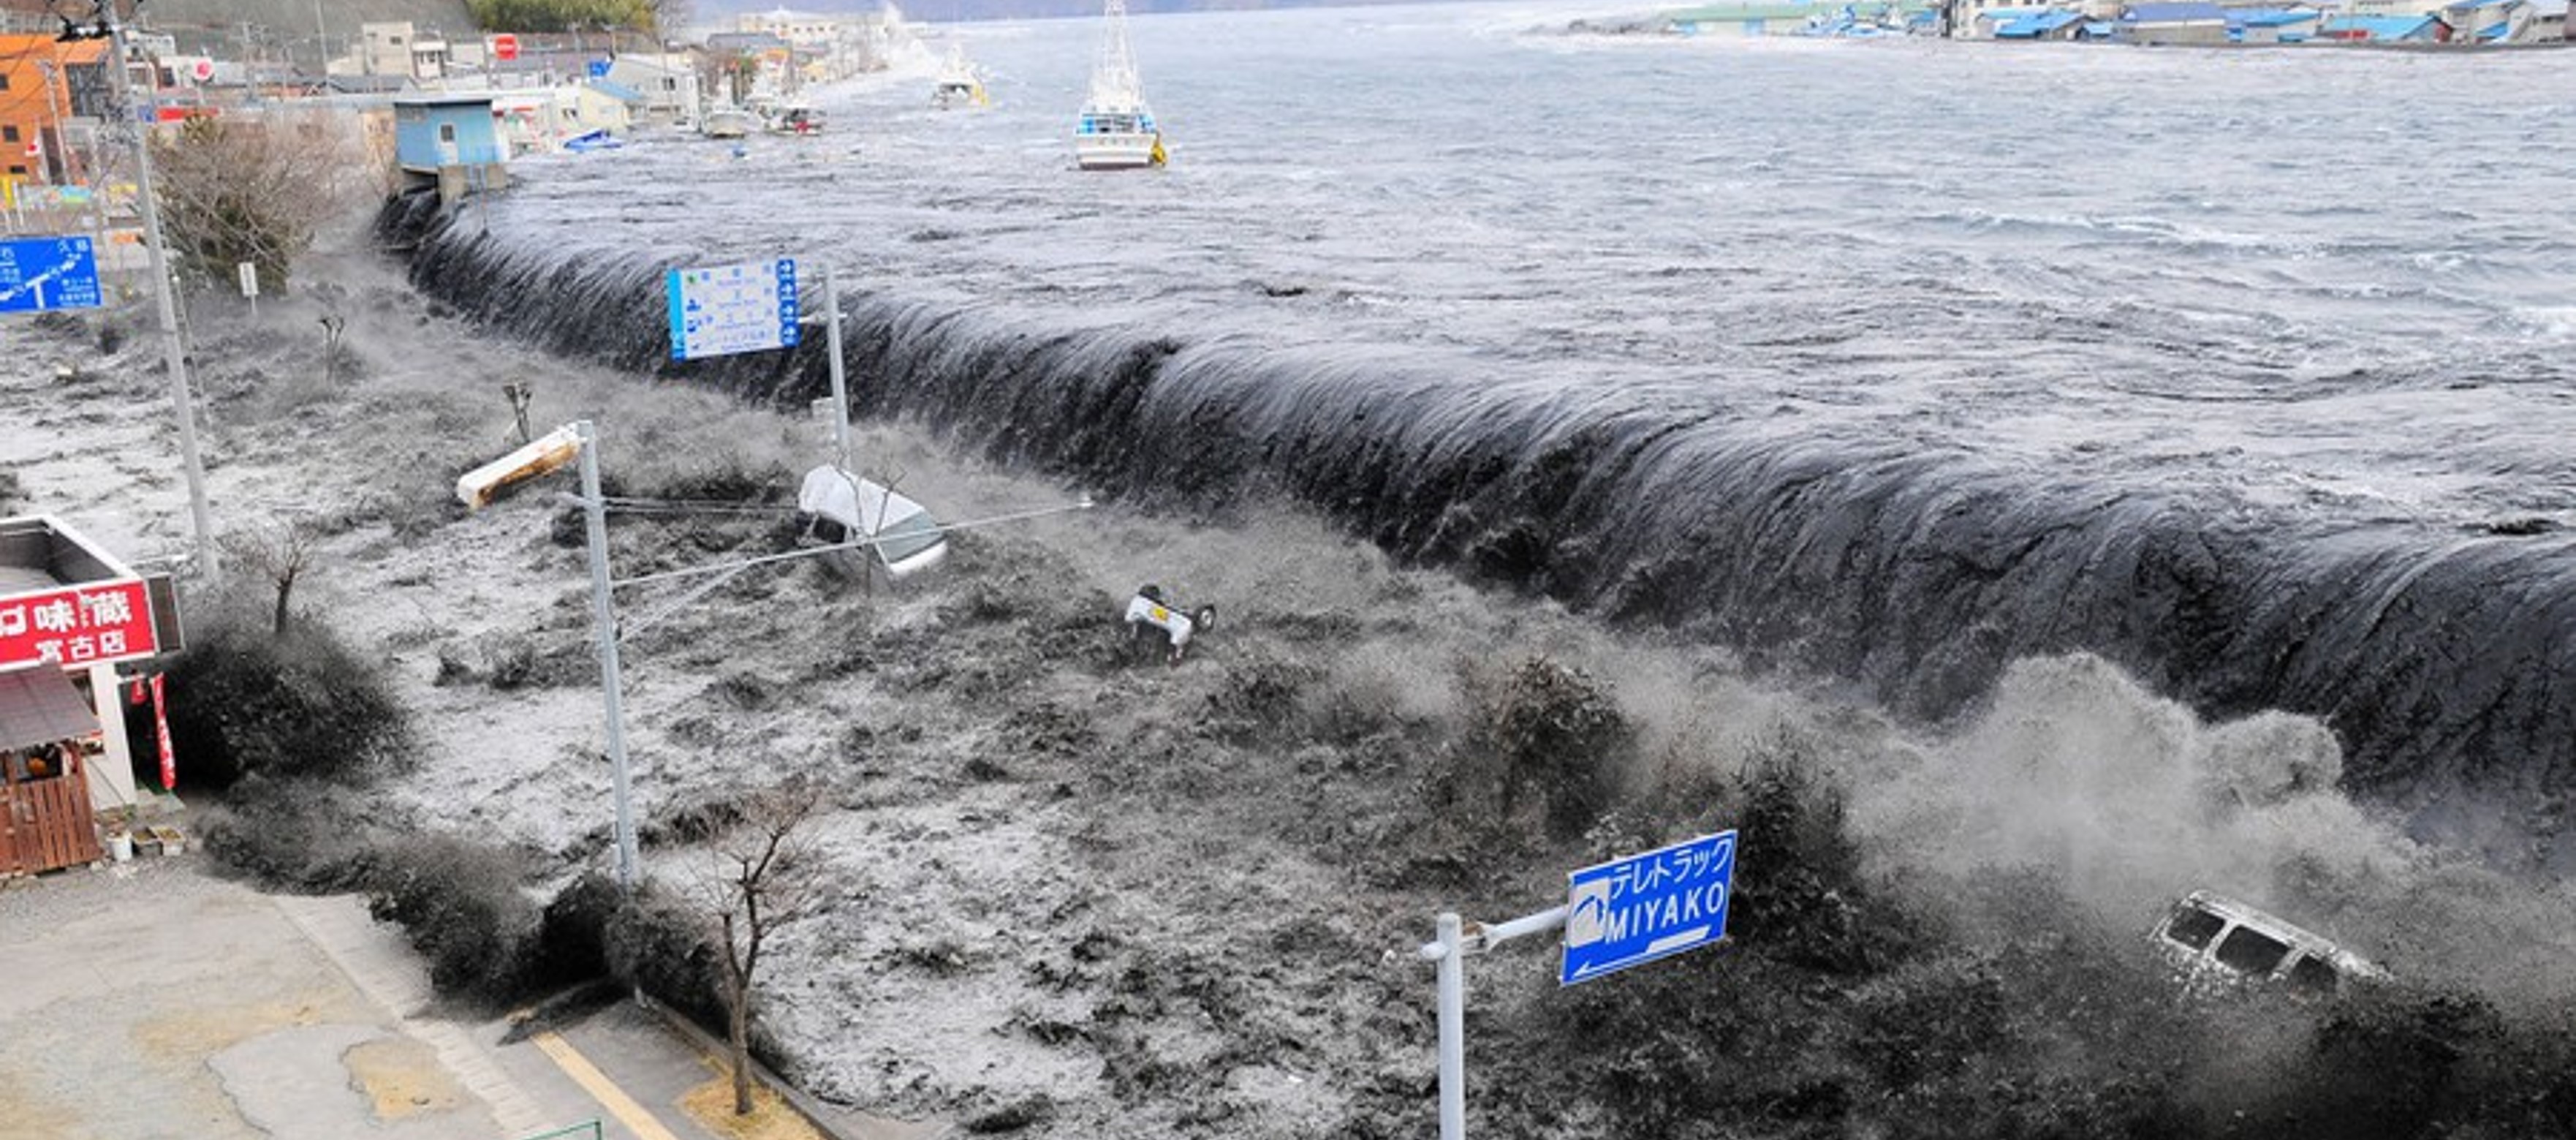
x,y
333,324
280,553
767,874
253,188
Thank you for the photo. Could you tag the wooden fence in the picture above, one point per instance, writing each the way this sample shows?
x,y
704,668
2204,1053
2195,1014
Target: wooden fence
x,y
46,824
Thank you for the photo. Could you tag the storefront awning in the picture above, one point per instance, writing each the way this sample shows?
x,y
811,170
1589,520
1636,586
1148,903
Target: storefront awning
x,y
39,706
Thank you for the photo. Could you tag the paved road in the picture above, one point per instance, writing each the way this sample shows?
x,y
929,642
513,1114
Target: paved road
x,y
156,1000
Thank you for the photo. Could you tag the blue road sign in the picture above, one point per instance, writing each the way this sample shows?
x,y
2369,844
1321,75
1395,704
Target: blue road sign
x,y
1635,910
37,274
724,309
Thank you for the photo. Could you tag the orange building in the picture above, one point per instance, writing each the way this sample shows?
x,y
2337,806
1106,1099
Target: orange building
x,y
45,83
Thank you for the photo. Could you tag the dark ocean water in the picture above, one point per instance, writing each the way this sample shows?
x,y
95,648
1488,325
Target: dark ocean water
x,y
2253,372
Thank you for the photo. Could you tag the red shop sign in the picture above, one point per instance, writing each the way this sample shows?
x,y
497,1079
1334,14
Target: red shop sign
x,y
77,626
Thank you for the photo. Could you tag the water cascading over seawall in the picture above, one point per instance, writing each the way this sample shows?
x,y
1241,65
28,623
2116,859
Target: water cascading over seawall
x,y
2447,666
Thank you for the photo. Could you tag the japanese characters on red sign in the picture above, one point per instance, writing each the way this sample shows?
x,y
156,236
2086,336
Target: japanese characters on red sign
x,y
77,625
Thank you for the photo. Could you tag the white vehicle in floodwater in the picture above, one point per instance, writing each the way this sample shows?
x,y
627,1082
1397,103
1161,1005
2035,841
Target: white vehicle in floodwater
x,y
2215,942
842,507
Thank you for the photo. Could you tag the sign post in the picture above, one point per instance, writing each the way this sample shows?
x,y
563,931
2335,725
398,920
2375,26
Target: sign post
x,y
1622,913
724,309
47,273
249,275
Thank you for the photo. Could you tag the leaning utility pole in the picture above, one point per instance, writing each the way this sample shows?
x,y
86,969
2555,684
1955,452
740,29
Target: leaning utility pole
x,y
174,355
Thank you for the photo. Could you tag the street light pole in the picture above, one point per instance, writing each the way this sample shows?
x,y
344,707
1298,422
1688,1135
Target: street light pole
x,y
840,382
174,355
603,616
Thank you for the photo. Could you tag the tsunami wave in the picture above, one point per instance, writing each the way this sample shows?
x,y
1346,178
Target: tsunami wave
x,y
2443,659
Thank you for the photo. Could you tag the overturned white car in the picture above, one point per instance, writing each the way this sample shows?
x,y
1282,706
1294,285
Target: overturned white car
x,y
2215,942
842,507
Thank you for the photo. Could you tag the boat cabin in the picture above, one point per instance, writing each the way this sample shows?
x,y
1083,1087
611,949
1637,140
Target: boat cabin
x,y
70,614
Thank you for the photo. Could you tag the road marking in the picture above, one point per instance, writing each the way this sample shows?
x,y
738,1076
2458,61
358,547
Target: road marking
x,y
601,1089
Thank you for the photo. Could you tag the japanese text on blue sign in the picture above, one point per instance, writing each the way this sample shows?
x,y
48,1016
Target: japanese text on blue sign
x,y
37,274
723,309
1635,910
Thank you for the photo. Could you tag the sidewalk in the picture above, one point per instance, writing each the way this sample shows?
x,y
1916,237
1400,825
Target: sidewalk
x,y
168,1002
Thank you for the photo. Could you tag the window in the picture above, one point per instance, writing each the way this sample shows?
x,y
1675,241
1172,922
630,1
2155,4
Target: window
x,y
19,171
2192,926
447,132
2251,952
4,82
8,134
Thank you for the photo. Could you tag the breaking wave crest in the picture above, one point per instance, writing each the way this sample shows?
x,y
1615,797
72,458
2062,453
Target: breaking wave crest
x,y
2441,661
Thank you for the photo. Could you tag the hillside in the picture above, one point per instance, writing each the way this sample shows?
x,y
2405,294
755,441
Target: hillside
x,y
712,13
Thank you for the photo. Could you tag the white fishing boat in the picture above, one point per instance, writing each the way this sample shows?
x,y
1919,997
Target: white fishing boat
x,y
1116,131
730,123
959,85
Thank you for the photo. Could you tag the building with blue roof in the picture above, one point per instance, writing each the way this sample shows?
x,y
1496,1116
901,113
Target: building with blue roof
x,y
2056,24
2272,25
2487,21
2382,29
2186,23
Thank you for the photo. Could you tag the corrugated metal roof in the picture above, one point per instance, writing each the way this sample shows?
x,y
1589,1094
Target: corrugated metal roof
x,y
38,705
618,91
2380,27
2173,14
2271,17
2474,5
2032,27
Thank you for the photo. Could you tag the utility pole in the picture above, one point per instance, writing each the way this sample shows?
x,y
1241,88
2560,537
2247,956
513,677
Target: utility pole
x,y
603,615
840,384
174,355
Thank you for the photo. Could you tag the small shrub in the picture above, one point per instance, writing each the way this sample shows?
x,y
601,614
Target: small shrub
x,y
658,943
461,905
299,835
572,933
301,703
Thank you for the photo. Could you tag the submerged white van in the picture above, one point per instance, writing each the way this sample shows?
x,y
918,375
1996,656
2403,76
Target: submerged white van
x,y
2216,942
841,507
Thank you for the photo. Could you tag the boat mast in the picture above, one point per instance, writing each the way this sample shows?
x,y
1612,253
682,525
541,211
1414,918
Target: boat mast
x,y
1113,79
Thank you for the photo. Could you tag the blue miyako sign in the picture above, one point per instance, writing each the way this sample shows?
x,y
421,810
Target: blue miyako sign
x,y
1635,910
724,309
37,274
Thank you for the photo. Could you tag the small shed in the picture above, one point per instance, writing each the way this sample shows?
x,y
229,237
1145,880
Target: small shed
x,y
433,130
71,613
452,140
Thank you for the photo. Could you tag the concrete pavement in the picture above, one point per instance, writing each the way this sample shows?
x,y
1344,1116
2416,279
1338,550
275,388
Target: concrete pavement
x,y
162,1001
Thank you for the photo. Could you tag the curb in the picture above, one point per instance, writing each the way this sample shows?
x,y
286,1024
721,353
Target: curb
x,y
814,1111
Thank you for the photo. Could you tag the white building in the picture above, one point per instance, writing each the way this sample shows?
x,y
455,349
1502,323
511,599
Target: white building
x,y
668,83
396,48
803,29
